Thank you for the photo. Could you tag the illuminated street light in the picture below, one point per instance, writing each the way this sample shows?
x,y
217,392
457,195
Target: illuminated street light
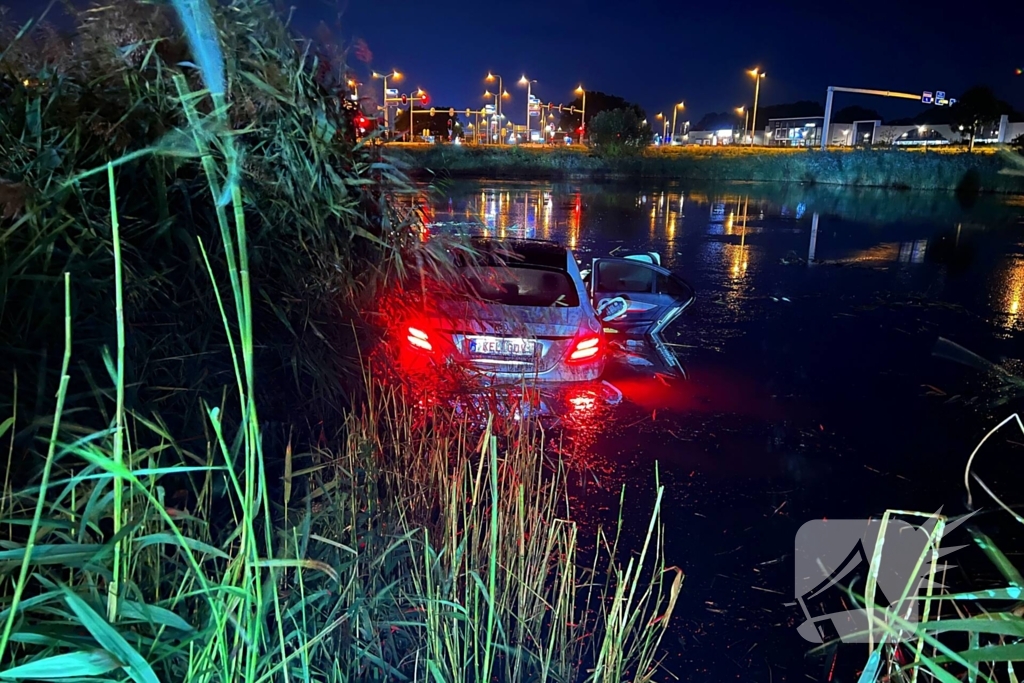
x,y
354,84
420,94
675,110
664,126
758,75
491,78
746,119
529,101
583,114
393,75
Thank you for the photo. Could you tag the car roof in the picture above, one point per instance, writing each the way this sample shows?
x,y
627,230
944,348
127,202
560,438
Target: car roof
x,y
545,253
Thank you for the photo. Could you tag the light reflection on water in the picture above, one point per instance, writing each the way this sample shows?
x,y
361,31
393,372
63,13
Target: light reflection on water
x,y
806,352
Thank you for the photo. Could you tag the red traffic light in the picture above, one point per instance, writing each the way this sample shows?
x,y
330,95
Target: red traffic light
x,y
405,99
424,98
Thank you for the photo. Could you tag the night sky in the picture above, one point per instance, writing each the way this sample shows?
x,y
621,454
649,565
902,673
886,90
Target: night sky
x,y
695,52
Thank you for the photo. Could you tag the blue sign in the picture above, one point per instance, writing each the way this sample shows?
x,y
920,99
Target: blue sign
x,y
926,97
940,95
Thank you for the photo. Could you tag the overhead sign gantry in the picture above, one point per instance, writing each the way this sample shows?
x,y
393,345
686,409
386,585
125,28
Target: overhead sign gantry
x,y
927,97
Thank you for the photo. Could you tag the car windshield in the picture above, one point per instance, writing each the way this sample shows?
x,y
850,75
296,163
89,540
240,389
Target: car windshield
x,y
521,285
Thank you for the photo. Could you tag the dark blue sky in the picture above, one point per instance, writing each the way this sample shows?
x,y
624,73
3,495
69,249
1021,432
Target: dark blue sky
x,y
696,52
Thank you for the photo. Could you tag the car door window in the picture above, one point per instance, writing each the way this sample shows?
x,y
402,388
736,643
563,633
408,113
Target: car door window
x,y
672,287
625,277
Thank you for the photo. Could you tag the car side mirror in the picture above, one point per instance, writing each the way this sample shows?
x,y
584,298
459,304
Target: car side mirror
x,y
612,309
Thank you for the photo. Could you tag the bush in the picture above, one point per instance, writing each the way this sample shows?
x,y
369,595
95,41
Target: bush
x,y
619,129
315,210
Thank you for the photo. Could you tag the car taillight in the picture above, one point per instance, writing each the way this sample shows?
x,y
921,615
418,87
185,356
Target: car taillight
x,y
419,339
585,348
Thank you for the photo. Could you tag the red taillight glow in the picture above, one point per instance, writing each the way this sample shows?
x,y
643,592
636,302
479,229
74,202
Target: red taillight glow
x,y
586,348
419,339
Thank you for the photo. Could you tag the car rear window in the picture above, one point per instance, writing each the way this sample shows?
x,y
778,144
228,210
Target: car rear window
x,y
517,285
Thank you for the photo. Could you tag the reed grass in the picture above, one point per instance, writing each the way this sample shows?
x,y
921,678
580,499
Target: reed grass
x,y
410,547
888,168
974,635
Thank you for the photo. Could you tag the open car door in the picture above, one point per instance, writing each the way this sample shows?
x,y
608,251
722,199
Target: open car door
x,y
648,355
655,296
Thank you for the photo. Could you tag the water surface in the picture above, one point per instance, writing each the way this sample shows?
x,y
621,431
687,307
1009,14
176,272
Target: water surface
x,y
811,391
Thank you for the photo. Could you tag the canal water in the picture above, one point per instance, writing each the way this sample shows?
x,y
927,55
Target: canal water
x,y
812,389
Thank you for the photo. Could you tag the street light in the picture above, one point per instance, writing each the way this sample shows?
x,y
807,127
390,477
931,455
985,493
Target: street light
x,y
491,77
395,75
583,115
529,101
664,126
420,92
758,75
354,84
746,118
675,110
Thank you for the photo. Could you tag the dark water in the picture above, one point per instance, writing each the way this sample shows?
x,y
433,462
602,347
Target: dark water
x,y
812,389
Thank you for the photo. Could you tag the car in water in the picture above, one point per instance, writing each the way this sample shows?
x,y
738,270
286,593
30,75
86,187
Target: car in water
x,y
529,313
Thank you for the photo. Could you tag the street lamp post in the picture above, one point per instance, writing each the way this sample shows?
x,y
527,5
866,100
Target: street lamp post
x,y
412,107
746,118
758,75
497,107
491,77
675,110
396,76
529,102
664,125
354,84
583,115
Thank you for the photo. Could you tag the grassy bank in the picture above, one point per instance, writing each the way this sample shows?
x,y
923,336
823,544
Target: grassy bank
x,y
891,168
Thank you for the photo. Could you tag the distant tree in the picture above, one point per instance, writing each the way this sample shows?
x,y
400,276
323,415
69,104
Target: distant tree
x,y
888,135
619,128
597,102
977,108
855,113
717,121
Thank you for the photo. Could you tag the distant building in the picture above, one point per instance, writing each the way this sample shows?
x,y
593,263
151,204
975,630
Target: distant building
x,y
867,133
805,131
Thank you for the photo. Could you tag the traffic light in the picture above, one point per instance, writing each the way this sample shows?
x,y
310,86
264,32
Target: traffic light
x,y
362,123
424,98
405,99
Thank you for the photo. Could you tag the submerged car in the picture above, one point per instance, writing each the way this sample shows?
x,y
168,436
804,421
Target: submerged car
x,y
527,312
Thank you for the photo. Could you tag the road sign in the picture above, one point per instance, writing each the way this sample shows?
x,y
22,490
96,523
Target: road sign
x,y
926,97
939,95
451,111
952,101
941,101
534,113
488,108
392,92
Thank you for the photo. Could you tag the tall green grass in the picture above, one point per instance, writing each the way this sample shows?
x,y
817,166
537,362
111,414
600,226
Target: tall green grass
x,y
401,550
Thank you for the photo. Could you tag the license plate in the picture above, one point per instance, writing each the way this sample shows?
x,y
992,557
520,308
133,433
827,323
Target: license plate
x,y
501,346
